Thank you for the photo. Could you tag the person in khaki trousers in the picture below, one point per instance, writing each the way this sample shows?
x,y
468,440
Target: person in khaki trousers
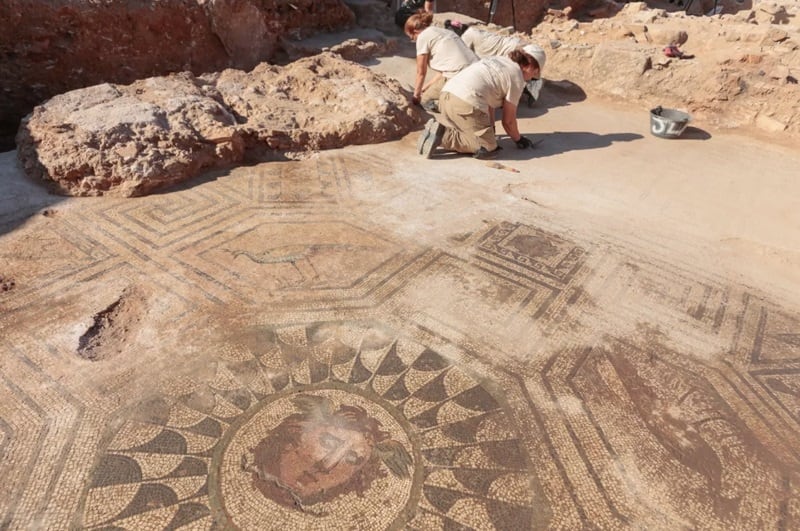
x,y
487,43
440,50
468,102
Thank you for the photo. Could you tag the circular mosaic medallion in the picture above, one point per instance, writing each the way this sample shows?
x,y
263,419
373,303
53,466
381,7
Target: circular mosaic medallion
x,y
317,426
329,453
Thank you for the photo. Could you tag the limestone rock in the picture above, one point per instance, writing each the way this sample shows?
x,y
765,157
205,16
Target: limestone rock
x,y
663,35
774,35
50,47
771,13
129,140
639,32
737,71
631,8
354,45
770,124
612,58
319,102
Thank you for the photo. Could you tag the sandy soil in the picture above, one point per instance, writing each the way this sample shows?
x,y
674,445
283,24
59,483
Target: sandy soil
x,y
645,284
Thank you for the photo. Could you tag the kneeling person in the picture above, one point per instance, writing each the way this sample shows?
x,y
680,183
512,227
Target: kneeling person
x,y
469,99
487,43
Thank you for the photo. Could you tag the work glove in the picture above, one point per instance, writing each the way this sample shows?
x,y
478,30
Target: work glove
x,y
524,143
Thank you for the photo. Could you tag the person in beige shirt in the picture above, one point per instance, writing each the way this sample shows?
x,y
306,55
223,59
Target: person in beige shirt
x,y
468,102
487,43
440,50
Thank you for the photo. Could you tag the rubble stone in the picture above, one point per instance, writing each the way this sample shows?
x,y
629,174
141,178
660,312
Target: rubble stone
x,y
736,69
48,47
129,140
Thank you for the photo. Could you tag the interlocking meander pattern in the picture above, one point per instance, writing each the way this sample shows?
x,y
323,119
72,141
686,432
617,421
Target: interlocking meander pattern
x,y
281,360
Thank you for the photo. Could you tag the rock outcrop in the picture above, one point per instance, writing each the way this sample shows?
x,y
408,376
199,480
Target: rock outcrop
x,y
48,47
129,140
742,73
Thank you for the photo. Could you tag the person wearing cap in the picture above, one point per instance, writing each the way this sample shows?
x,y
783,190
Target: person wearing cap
x,y
469,99
487,43
534,86
437,48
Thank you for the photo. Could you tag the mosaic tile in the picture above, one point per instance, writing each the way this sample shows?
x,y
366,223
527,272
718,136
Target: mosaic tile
x,y
323,453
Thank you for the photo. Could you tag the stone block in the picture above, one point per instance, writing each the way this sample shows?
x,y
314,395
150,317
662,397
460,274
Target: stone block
x,y
68,44
769,124
129,140
615,66
774,35
639,32
667,35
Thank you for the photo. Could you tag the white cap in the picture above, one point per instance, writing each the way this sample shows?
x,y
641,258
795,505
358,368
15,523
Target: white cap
x,y
537,52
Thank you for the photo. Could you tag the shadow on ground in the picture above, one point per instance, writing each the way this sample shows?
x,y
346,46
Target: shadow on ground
x,y
694,133
555,93
562,141
20,196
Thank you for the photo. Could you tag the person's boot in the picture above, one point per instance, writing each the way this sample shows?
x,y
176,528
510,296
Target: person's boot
x,y
431,138
485,154
431,105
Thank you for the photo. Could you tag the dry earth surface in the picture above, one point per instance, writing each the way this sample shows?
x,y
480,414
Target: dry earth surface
x,y
743,72
603,332
738,71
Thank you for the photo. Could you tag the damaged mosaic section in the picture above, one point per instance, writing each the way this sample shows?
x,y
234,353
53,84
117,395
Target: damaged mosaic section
x,y
114,326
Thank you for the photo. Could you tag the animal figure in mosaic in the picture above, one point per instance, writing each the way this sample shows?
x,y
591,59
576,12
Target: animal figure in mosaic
x,y
694,425
292,254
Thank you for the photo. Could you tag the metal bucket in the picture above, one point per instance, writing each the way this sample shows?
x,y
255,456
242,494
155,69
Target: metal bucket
x,y
668,123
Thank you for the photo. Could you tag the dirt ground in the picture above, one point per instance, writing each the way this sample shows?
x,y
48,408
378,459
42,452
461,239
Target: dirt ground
x,y
738,70
601,332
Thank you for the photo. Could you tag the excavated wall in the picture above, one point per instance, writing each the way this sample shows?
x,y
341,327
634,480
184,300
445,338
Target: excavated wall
x,y
48,47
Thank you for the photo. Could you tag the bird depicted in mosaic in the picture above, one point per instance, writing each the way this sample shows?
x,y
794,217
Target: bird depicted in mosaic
x,y
294,253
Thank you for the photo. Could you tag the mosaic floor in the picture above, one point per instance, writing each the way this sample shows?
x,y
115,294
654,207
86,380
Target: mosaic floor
x,y
257,351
